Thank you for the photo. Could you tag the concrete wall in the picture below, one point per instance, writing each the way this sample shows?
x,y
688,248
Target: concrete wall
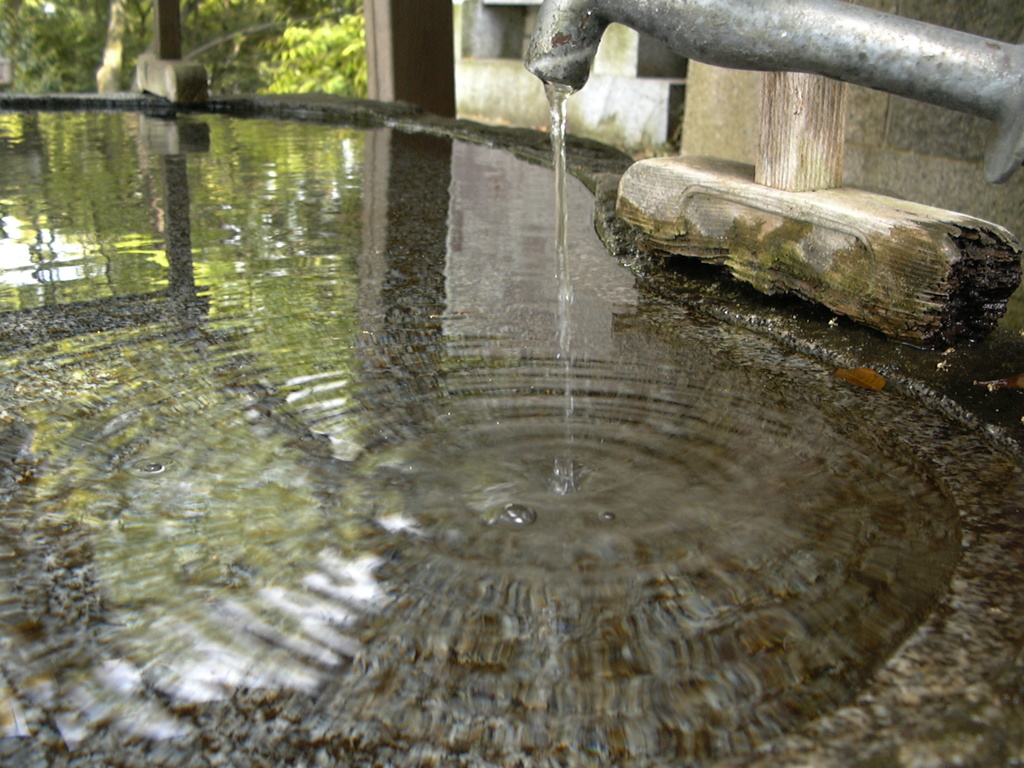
x,y
633,100
894,146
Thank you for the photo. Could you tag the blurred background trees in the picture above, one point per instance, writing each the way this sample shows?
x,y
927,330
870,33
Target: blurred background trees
x,y
247,46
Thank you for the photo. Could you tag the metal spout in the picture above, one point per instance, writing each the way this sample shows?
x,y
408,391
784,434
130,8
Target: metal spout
x,y
921,61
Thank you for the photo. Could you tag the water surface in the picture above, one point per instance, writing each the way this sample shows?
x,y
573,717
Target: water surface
x,y
281,407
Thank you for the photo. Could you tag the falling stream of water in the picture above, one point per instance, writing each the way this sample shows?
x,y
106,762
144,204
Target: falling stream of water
x,y
565,475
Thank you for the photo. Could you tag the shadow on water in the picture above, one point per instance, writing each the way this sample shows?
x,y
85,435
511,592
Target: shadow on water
x,y
295,504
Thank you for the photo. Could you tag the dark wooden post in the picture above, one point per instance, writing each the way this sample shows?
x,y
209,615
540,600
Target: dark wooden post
x,y
167,29
410,53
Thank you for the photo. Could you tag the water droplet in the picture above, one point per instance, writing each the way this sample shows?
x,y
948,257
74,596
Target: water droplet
x,y
568,475
149,467
607,516
519,514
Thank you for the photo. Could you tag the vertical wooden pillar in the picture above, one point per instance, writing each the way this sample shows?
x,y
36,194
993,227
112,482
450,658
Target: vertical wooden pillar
x,y
167,29
162,72
802,134
410,53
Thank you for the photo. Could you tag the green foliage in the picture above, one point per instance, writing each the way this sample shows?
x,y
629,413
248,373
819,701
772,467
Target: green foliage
x,y
247,46
53,46
327,58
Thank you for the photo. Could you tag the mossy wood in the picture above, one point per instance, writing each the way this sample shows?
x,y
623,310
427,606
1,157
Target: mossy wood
x,y
915,273
180,82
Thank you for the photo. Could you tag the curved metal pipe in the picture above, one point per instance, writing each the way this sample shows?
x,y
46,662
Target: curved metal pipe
x,y
921,61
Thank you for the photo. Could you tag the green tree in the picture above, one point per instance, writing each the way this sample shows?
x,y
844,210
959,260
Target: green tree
x,y
235,39
108,76
245,45
328,57
54,46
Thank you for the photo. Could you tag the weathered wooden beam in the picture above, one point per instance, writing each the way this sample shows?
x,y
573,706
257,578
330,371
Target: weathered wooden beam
x,y
162,72
913,272
182,82
802,132
410,53
167,29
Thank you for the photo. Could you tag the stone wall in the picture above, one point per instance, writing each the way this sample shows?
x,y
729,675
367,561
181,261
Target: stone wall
x,y
633,99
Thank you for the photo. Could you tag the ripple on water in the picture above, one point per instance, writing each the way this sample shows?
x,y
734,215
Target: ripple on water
x,y
721,572
754,570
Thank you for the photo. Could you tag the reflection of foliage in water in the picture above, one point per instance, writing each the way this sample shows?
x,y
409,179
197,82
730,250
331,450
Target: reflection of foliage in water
x,y
96,176
63,181
236,555
197,512
233,501
306,229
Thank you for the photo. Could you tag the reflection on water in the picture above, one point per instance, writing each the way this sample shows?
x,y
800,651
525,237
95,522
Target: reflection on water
x,y
311,517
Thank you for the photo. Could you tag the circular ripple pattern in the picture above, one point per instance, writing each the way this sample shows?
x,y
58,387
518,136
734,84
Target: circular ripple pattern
x,y
320,511
720,573
413,573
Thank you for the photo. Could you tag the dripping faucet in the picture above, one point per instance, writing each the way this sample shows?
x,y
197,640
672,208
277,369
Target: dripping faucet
x,y
926,62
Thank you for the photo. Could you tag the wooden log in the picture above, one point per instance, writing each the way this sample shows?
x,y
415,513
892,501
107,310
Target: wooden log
x,y
915,273
182,82
802,132
162,72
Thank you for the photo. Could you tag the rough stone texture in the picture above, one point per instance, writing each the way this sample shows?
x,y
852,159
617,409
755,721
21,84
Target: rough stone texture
x,y
956,185
990,18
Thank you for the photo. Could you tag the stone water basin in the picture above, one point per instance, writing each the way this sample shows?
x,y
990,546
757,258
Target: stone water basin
x,y
282,403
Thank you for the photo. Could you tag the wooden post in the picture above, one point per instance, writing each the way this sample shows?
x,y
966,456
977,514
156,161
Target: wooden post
x,y
915,273
162,72
918,274
167,29
803,125
410,53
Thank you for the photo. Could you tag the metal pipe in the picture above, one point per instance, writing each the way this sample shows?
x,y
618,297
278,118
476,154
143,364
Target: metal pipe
x,y
921,61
